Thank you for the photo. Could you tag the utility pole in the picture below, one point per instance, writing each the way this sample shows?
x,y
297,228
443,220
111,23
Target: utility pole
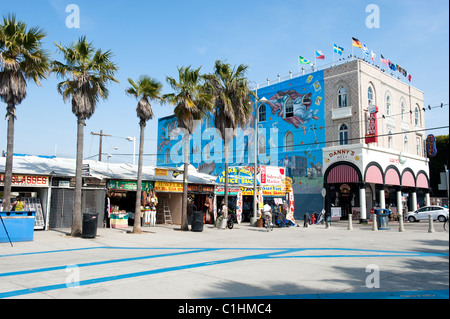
x,y
100,146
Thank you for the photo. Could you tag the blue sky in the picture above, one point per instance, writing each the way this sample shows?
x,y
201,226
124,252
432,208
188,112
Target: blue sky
x,y
155,37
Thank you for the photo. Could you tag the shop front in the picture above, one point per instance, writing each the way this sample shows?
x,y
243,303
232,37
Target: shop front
x,y
121,201
33,194
170,196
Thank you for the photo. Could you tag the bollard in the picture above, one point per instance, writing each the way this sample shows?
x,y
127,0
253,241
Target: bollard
x,y
374,225
350,226
430,224
401,227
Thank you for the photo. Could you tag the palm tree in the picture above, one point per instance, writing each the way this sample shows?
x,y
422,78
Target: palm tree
x,y
232,107
191,103
21,58
86,73
145,89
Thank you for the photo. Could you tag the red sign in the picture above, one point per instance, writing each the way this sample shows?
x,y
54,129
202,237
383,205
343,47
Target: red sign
x,y
372,130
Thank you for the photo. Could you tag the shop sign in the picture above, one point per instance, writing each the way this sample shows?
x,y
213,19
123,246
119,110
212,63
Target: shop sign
x,y
272,175
341,155
290,214
267,190
169,187
431,146
200,188
160,172
129,185
26,180
239,205
236,176
372,130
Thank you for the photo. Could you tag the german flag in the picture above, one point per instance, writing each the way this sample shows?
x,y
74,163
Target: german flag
x,y
356,43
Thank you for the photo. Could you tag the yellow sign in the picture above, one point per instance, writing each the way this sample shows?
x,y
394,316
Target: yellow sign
x,y
160,172
169,187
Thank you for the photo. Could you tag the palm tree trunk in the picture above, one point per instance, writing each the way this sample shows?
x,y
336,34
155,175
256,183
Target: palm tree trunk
x,y
76,215
184,217
226,149
9,160
137,208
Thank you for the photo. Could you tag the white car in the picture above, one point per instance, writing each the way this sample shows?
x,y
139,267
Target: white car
x,y
438,212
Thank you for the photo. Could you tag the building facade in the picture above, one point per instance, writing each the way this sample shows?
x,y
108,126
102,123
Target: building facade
x,y
350,132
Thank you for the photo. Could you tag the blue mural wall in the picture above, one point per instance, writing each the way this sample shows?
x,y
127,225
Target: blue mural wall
x,y
291,133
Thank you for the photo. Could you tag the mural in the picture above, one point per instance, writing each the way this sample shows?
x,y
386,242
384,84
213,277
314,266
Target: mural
x,y
290,128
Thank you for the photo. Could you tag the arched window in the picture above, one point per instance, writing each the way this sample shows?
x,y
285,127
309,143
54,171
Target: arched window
x,y
262,144
289,107
388,105
370,96
262,113
343,135
417,116
342,97
289,142
403,110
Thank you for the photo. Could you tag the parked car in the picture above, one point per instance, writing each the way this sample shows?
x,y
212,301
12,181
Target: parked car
x,y
438,212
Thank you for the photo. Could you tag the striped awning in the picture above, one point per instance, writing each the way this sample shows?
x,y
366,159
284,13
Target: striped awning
x,y
343,174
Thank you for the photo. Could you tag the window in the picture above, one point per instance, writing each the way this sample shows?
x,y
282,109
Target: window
x,y
342,97
262,144
289,107
390,138
262,113
343,135
370,96
403,110
168,156
405,143
289,142
419,146
388,105
417,116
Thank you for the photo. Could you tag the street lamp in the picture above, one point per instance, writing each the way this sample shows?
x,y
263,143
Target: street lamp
x,y
255,195
129,138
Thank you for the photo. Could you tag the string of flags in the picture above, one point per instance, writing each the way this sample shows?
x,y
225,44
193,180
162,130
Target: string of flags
x,y
356,43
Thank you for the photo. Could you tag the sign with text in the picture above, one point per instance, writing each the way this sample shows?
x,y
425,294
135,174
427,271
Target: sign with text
x,y
272,175
26,180
372,130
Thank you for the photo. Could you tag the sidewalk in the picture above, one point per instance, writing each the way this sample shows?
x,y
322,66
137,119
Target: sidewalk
x,y
165,262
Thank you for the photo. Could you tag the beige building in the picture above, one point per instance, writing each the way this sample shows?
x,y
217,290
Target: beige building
x,y
392,168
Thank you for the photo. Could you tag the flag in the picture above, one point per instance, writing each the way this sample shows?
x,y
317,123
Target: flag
x,y
383,60
392,66
356,43
373,56
409,77
338,49
319,55
402,70
302,60
365,49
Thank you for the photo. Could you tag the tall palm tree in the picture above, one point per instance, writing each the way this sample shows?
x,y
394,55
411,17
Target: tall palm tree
x,y
21,58
232,107
145,89
191,104
86,72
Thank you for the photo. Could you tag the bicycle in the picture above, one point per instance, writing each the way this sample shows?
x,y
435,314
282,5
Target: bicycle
x,y
267,224
446,225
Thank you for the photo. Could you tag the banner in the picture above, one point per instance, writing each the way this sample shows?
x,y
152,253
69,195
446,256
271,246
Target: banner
x,y
372,130
290,213
239,207
26,180
272,175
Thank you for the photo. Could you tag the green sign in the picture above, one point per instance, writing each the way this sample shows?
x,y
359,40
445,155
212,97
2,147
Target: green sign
x,y
129,185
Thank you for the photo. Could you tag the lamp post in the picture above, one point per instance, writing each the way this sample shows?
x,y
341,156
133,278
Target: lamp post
x,y
129,138
255,135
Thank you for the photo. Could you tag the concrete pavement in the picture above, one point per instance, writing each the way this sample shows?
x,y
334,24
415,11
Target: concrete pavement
x,y
245,262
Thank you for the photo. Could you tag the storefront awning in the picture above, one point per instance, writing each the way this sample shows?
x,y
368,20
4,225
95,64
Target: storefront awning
x,y
343,174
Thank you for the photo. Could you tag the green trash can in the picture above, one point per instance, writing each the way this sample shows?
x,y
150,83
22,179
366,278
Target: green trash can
x,y
89,227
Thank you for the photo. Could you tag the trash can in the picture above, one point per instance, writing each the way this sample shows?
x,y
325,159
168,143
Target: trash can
x,y
382,218
19,226
197,221
89,227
